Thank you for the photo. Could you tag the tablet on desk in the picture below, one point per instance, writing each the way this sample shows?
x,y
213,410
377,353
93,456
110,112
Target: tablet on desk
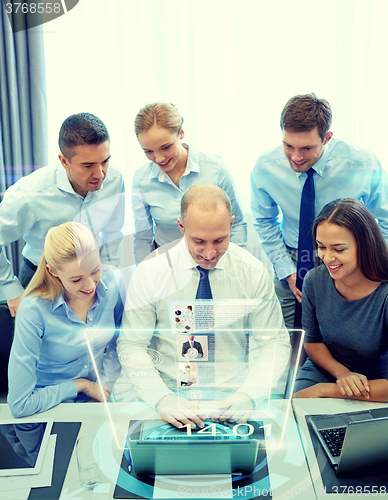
x,y
23,446
158,448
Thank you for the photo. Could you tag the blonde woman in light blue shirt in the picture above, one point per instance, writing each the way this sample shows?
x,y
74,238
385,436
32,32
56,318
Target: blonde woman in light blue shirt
x,y
67,317
173,168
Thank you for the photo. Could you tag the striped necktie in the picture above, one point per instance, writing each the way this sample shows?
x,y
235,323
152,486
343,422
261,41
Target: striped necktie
x,y
203,290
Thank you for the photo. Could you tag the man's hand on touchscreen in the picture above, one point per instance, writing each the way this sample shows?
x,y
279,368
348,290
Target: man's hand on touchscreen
x,y
236,408
179,412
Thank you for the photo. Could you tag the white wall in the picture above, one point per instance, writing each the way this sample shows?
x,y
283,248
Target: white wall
x,y
229,66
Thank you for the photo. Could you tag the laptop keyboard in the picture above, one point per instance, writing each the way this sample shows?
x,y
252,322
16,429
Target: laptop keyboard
x,y
334,439
194,437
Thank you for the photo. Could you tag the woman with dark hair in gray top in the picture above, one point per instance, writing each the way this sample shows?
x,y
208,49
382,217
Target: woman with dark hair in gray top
x,y
345,307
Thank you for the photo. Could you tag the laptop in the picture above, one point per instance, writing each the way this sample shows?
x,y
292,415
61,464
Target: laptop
x,y
157,448
354,440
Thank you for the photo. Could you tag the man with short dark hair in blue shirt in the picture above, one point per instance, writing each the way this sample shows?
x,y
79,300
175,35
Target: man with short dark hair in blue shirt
x,y
338,170
80,189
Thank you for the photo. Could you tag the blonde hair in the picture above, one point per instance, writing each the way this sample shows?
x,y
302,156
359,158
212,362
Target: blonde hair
x,y
161,114
63,243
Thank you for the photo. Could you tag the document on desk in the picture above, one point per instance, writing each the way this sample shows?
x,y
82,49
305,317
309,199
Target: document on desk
x,y
180,486
26,482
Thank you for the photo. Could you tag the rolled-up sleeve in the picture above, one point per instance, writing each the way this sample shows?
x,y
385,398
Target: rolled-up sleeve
x,y
24,398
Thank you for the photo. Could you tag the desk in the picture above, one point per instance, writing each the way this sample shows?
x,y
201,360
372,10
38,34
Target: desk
x,y
304,407
289,475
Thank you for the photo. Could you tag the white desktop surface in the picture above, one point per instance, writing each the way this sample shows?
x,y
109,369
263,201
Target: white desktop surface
x,y
289,475
314,406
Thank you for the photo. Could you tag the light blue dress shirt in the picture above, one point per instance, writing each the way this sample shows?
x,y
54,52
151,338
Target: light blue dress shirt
x,y
156,200
343,171
50,349
44,199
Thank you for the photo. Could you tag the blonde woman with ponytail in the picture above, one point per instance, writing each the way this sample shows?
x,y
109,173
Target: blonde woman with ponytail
x,y
66,311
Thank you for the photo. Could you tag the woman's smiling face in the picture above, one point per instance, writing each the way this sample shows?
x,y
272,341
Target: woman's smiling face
x,y
337,248
162,147
80,282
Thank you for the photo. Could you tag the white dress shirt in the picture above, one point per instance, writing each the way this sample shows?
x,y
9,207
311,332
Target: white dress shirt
x,y
171,276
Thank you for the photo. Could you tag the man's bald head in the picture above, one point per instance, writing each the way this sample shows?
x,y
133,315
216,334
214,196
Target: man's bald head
x,y
206,222
207,197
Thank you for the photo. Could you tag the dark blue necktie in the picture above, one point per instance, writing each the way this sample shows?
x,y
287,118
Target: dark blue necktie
x,y
306,220
206,314
203,290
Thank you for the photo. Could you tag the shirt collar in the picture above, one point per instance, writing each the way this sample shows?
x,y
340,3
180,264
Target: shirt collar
x,y
193,159
192,166
100,292
320,165
154,171
63,182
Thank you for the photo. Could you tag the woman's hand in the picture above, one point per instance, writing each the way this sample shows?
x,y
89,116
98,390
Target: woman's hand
x,y
349,384
93,389
353,384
